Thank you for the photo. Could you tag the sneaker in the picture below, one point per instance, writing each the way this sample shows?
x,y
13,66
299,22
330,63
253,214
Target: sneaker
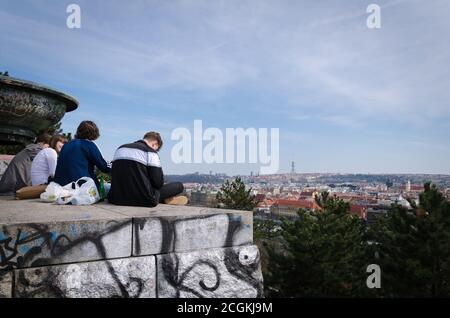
x,y
178,200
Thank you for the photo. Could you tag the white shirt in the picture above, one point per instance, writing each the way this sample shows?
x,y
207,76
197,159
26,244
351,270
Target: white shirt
x,y
43,166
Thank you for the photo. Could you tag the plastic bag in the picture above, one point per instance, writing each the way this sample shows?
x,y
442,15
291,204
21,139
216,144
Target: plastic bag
x,y
76,193
85,194
54,191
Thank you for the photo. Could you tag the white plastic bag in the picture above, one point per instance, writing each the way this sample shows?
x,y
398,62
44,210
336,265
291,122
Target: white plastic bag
x,y
54,191
85,194
73,193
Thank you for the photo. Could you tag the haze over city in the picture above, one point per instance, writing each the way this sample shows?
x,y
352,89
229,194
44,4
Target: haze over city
x,y
346,98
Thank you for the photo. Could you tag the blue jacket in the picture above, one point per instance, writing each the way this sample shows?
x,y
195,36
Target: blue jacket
x,y
78,159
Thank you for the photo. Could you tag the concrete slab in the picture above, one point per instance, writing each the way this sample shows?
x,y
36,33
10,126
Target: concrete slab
x,y
165,234
221,272
127,277
37,244
35,211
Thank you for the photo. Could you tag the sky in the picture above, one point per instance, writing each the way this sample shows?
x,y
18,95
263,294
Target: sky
x,y
346,98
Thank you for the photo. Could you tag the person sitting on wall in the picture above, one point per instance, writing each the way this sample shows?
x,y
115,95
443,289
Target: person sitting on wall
x,y
80,156
44,165
137,178
18,173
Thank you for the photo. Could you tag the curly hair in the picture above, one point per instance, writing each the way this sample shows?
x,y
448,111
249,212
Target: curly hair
x,y
87,130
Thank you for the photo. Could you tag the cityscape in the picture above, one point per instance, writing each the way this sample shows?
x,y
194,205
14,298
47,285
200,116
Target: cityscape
x,y
283,194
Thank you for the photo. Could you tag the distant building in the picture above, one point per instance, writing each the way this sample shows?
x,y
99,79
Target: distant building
x,y
308,194
283,207
359,210
412,187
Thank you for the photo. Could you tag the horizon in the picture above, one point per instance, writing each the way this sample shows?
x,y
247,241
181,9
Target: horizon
x,y
306,173
344,97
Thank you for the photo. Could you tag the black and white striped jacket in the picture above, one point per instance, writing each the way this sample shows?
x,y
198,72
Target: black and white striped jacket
x,y
136,176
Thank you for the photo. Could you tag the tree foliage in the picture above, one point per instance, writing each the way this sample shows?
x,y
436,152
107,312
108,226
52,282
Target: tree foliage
x,y
234,195
326,254
323,255
414,247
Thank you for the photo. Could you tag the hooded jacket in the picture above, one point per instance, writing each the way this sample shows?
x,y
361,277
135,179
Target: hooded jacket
x,y
18,173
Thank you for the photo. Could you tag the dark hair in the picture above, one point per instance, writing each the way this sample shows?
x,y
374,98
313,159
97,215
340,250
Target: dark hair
x,y
55,140
43,138
152,135
87,130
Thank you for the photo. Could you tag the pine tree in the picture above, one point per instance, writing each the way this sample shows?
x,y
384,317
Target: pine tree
x,y
234,195
414,247
323,254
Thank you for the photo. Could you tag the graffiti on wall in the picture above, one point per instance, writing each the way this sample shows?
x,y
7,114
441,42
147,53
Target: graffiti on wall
x,y
28,249
224,272
164,235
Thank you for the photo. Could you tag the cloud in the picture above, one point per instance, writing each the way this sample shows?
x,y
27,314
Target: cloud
x,y
257,61
324,55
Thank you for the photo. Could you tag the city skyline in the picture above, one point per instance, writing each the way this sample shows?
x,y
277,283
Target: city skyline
x,y
346,98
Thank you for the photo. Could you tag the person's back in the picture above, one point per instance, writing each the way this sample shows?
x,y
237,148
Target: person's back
x,y
136,174
79,157
18,173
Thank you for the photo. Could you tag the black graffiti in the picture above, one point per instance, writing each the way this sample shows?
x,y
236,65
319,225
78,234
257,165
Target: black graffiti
x,y
173,276
169,235
170,266
47,249
235,268
58,247
14,259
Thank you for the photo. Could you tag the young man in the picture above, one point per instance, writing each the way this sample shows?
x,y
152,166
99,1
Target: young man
x,y
137,178
18,173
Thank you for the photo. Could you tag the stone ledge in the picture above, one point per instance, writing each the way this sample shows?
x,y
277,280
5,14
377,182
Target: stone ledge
x,y
34,234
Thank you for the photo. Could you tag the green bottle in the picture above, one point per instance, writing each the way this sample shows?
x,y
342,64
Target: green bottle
x,y
101,189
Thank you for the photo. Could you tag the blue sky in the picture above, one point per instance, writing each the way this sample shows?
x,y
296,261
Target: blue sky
x,y
346,98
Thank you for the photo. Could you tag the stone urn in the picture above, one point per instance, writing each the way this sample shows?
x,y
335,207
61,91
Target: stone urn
x,y
27,108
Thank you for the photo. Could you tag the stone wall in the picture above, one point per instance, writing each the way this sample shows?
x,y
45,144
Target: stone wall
x,y
110,251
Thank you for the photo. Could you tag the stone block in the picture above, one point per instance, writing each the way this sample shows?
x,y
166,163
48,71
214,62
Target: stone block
x,y
220,272
127,277
161,235
38,244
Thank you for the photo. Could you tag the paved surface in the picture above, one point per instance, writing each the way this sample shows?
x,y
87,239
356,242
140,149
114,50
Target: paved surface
x,y
35,211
